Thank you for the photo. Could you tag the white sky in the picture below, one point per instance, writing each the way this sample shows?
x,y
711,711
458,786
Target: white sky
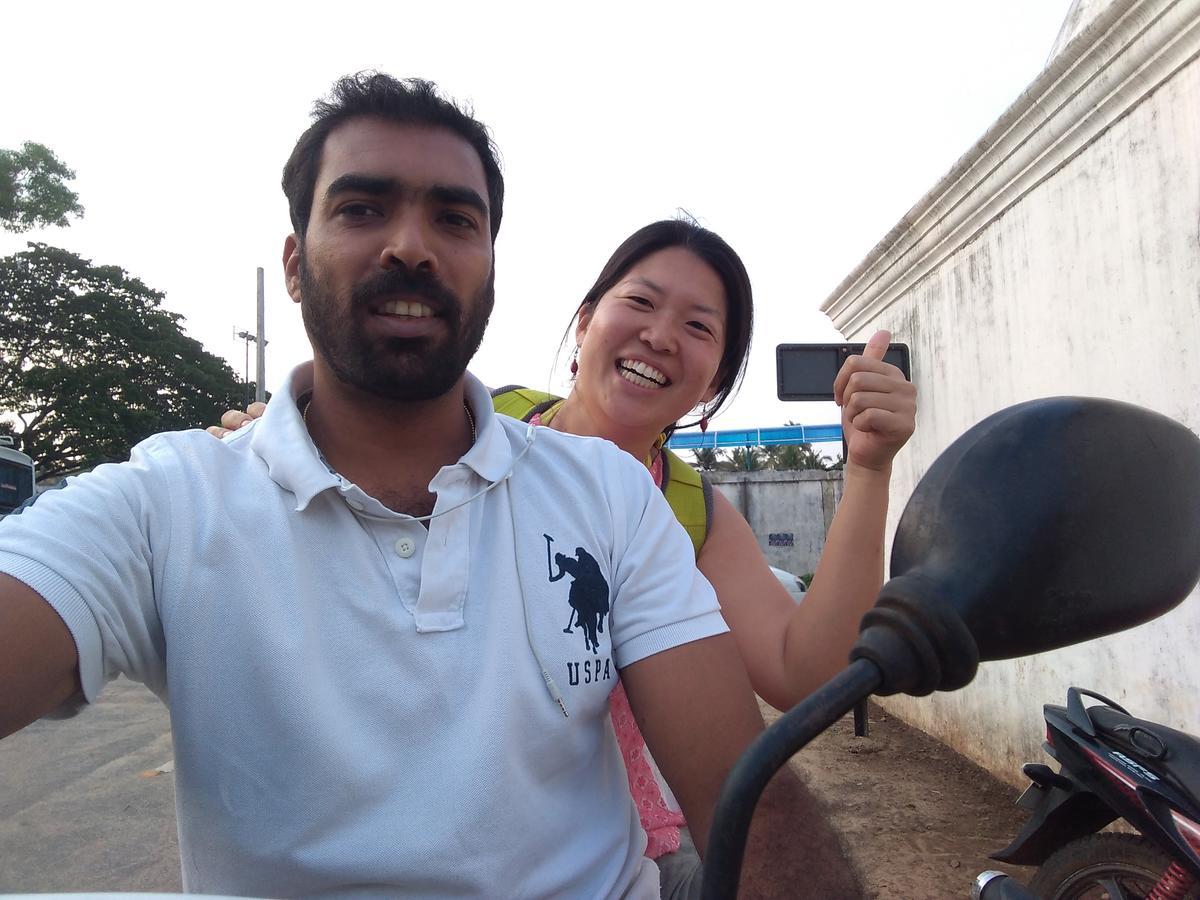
x,y
800,132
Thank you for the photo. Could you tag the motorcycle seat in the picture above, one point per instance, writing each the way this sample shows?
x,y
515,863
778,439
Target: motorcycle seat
x,y
1180,752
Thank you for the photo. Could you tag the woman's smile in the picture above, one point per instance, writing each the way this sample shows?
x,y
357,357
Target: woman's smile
x,y
642,374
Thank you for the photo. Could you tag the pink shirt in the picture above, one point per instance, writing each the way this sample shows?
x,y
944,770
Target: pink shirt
x,y
660,822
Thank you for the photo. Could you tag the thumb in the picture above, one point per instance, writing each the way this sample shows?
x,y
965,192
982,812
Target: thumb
x,y
877,345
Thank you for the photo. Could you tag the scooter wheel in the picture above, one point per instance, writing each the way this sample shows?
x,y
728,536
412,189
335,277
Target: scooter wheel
x,y
1104,866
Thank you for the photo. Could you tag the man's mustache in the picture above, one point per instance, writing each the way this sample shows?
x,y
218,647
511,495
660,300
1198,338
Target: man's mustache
x,y
424,285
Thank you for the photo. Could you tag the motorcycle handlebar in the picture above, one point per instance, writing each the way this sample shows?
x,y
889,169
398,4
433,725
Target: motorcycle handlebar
x,y
992,885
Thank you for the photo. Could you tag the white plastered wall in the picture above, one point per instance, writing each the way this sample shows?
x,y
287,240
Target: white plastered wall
x,y
1060,256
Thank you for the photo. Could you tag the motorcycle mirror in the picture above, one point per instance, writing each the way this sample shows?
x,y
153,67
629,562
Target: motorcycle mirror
x,y
1049,523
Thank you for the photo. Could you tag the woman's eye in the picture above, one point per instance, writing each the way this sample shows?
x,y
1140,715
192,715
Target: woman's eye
x,y
640,301
700,326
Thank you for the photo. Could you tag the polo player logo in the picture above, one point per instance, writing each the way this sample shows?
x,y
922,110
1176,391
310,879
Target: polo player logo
x,y
589,592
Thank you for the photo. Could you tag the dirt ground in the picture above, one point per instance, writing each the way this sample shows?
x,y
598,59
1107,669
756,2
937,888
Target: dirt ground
x,y
919,819
88,804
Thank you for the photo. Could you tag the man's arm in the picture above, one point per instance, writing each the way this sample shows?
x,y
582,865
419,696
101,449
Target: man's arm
x,y
38,660
697,713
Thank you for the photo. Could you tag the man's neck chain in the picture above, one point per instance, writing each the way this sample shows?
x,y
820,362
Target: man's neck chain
x,y
470,421
466,409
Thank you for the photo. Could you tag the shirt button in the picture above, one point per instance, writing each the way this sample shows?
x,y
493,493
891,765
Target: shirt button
x,y
405,547
354,504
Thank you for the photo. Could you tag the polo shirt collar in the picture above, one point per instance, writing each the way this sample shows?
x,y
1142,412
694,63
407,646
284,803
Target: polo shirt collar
x,y
492,454
281,440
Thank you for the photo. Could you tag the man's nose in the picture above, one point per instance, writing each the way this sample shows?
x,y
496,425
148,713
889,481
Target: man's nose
x,y
408,247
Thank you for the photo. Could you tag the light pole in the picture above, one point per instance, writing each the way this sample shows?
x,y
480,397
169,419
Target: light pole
x,y
248,338
260,387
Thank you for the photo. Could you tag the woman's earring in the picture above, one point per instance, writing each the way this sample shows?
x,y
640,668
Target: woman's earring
x,y
575,362
704,421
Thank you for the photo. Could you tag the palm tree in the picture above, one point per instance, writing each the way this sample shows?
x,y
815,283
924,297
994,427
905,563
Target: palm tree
x,y
790,457
707,458
744,459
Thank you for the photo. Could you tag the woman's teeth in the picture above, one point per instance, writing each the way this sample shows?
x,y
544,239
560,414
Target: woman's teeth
x,y
641,374
406,308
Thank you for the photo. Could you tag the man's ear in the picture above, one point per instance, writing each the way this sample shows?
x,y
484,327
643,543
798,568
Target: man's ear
x,y
291,267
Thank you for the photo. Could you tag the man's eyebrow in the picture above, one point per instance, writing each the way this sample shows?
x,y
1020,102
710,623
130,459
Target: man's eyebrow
x,y
352,182
459,195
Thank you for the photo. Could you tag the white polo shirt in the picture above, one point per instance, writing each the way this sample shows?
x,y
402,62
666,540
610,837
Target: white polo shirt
x,y
356,701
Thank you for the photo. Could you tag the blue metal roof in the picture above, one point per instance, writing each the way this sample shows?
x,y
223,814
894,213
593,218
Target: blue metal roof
x,y
758,437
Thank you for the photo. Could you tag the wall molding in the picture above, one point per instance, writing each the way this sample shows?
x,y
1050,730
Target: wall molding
x,y
1126,52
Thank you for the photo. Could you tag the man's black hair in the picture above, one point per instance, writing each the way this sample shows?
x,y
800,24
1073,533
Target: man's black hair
x,y
409,101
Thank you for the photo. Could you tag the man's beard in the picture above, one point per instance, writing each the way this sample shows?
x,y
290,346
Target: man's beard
x,y
395,368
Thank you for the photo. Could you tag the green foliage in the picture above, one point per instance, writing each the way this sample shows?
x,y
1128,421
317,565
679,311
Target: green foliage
x,y
743,459
791,457
90,362
707,459
33,189
782,458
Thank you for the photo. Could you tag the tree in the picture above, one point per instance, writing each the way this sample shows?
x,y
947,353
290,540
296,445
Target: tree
x,y
33,190
743,459
707,459
790,457
90,362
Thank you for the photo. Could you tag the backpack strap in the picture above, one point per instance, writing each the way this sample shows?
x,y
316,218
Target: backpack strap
x,y
521,402
688,492
690,495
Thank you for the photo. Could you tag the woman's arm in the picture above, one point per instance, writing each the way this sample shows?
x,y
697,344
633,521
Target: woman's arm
x,y
789,649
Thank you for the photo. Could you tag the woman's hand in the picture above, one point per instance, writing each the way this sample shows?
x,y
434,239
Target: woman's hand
x,y
232,419
879,406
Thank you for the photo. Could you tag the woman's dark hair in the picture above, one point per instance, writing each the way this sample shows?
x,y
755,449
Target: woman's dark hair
x,y
710,248
411,101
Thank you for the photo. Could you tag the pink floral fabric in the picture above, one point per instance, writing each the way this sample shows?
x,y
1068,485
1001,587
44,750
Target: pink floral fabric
x,y
659,821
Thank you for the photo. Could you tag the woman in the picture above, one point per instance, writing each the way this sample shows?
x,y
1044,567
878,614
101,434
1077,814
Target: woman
x,y
664,333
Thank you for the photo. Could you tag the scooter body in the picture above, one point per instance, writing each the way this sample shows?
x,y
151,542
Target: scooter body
x,y
1112,766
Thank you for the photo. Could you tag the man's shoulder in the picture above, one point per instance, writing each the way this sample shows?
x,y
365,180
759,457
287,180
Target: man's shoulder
x,y
564,442
166,458
171,449
581,457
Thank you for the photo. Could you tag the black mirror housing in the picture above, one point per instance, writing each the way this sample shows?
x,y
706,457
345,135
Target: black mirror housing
x,y
1036,529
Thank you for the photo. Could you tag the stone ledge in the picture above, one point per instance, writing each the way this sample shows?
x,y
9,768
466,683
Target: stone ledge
x,y
773,475
1127,51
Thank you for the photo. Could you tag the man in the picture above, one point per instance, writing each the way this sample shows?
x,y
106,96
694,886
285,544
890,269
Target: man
x,y
384,700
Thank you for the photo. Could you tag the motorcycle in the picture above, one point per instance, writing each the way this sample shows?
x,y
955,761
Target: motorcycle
x,y
1016,541
1111,766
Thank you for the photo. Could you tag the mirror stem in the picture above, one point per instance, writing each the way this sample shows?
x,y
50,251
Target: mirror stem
x,y
766,756
919,642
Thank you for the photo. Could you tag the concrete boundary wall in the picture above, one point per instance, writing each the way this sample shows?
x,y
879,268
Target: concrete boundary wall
x,y
1060,255
789,512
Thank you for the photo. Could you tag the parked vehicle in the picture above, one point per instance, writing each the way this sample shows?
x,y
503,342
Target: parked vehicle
x,y
793,584
16,476
999,886
1024,535
1111,766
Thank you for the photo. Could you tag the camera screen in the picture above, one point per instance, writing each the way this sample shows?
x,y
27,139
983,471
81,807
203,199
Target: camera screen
x,y
807,371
